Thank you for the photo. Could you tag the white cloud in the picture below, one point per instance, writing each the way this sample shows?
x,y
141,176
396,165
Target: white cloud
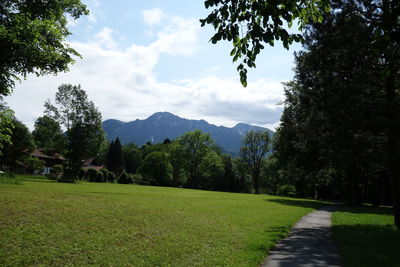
x,y
152,16
105,38
121,82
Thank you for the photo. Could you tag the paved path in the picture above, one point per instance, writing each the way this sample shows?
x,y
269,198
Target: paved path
x,y
308,244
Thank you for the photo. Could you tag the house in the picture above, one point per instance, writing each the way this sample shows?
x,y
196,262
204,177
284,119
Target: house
x,y
92,163
50,159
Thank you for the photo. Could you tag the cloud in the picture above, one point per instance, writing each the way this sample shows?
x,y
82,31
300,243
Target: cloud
x,y
105,38
122,83
152,16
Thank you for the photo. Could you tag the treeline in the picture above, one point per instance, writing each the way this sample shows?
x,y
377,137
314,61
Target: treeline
x,y
339,136
191,161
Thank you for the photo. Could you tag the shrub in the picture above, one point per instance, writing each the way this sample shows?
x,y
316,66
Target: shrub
x,y
81,174
100,177
125,178
111,177
138,179
104,172
52,176
91,175
34,163
58,168
286,190
68,176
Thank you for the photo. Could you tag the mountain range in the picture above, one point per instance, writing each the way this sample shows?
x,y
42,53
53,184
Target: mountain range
x,y
163,125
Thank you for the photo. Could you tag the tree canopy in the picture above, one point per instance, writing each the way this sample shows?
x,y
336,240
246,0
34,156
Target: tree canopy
x,y
32,38
250,24
6,126
48,134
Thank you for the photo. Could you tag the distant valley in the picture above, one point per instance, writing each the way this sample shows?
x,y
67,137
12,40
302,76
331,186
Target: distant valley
x,y
163,125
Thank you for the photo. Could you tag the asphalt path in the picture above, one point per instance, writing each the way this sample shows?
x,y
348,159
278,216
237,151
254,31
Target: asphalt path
x,y
309,243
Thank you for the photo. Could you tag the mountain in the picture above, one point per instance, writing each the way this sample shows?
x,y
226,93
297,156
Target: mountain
x,y
163,125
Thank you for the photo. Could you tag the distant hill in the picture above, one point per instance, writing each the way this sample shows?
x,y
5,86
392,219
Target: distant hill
x,y
163,125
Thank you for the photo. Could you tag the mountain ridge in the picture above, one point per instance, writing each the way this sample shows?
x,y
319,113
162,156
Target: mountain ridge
x,y
161,125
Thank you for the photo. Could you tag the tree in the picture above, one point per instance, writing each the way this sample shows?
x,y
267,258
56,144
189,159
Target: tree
x,y
255,146
211,170
132,157
115,157
48,134
33,163
6,126
32,38
195,146
85,134
156,169
19,148
249,24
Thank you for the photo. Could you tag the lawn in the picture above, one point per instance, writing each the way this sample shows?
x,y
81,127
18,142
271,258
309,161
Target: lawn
x,y
43,222
366,236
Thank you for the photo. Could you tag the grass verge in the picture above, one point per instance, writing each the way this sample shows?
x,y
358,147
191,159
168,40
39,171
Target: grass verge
x,y
47,223
366,236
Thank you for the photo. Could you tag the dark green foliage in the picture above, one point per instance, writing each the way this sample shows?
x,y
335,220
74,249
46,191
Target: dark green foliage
x,y
286,190
81,174
125,178
69,175
255,146
6,119
21,145
58,169
100,178
33,163
211,170
195,146
91,175
115,157
107,176
132,157
32,38
48,134
157,169
111,177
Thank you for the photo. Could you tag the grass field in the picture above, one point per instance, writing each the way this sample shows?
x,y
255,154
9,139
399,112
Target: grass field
x,y
366,236
48,223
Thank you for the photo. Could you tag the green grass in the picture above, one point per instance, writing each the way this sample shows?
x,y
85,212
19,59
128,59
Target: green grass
x,y
43,222
366,236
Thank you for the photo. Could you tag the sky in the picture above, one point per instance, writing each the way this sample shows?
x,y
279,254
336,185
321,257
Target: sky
x,y
142,57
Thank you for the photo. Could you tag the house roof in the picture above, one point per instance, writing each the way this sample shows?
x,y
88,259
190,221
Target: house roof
x,y
97,168
39,154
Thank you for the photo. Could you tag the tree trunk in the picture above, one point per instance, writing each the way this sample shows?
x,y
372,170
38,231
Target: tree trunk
x,y
393,146
256,178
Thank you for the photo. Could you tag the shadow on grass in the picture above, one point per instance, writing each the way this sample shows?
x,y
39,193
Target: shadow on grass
x,y
367,209
297,203
368,245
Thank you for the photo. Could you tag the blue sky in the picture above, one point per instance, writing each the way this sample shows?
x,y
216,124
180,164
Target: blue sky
x,y
140,57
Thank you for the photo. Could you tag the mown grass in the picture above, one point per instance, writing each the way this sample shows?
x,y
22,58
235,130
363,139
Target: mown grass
x,y
366,236
43,222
